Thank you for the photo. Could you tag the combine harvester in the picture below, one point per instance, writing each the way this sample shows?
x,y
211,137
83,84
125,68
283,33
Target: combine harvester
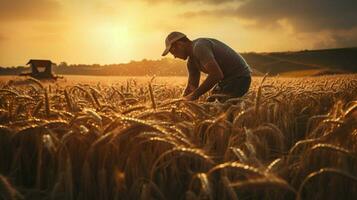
x,y
41,70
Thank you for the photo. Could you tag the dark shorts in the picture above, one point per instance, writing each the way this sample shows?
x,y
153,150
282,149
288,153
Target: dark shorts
x,y
234,86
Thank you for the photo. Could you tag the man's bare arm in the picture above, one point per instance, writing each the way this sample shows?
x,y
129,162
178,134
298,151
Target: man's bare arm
x,y
215,74
193,80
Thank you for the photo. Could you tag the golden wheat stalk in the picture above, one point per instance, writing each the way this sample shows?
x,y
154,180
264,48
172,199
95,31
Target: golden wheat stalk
x,y
330,147
259,94
7,192
204,184
152,97
266,182
11,92
244,169
47,105
37,108
180,151
323,171
68,101
227,185
35,81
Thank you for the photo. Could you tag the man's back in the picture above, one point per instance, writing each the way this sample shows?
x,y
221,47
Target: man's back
x,y
230,62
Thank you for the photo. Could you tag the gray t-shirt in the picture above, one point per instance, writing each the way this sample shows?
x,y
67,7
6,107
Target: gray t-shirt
x,y
230,62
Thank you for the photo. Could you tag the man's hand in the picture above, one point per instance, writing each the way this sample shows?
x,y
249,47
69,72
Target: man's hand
x,y
189,89
190,97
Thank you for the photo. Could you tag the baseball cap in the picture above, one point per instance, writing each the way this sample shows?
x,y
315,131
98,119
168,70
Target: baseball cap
x,y
171,38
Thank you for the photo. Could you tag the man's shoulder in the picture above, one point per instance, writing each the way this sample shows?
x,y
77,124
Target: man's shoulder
x,y
201,45
201,42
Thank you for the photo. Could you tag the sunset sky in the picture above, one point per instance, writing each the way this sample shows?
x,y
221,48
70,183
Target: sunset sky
x,y
113,31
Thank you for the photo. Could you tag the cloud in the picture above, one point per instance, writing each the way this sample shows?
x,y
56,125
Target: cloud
x,y
303,15
345,38
15,10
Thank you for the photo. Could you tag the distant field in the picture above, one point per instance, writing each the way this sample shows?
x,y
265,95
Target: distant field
x,y
100,138
105,80
343,60
311,72
301,73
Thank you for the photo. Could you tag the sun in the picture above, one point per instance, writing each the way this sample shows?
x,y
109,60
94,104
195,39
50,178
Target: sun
x,y
113,39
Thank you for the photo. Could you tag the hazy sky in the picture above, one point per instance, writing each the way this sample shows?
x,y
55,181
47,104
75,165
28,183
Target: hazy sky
x,y
117,31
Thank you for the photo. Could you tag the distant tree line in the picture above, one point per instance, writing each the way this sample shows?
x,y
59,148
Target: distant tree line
x,y
343,59
162,67
12,70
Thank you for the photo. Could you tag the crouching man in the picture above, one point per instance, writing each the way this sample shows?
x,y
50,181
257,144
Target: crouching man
x,y
227,71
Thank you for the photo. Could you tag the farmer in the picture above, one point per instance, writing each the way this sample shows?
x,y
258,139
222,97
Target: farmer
x,y
227,70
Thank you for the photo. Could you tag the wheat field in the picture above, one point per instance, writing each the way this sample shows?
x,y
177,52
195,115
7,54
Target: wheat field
x,y
287,138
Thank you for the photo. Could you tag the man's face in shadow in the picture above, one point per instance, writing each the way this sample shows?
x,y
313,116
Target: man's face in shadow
x,y
178,50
